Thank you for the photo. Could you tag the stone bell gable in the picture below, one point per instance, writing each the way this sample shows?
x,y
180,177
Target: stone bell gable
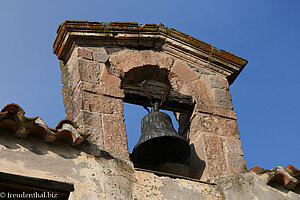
x,y
100,62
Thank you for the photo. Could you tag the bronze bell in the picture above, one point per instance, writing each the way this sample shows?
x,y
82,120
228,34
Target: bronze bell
x,y
159,142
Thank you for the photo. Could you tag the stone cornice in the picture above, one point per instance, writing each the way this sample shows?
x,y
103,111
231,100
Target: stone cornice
x,y
157,36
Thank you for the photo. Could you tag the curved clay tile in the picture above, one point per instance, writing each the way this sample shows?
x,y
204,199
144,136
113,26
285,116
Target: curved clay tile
x,y
13,121
288,176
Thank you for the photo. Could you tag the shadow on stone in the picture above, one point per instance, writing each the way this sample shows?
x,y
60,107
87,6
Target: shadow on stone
x,y
197,165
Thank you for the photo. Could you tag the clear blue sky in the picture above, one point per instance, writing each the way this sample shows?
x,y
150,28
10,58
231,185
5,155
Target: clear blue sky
x,y
266,95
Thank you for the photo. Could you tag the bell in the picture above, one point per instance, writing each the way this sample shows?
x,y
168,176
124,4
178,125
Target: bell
x,y
159,142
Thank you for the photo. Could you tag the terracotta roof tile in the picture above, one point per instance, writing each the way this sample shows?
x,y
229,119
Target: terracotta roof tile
x,y
288,176
13,121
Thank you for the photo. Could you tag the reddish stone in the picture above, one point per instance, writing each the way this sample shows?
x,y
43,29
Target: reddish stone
x,y
147,57
88,71
89,118
222,98
102,90
109,79
86,54
102,104
236,163
183,71
96,136
202,91
217,81
115,138
164,60
125,60
198,164
216,162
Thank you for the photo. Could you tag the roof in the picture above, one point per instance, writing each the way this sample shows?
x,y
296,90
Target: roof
x,y
132,34
13,121
288,176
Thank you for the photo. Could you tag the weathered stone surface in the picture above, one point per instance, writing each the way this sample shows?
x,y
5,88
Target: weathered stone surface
x,y
115,137
109,79
150,186
215,125
93,176
215,110
228,127
202,91
125,60
216,162
236,163
147,57
217,81
198,159
72,60
117,187
88,71
183,71
234,154
84,53
164,60
100,57
74,105
232,146
88,118
222,98
100,103
249,186
110,91
96,132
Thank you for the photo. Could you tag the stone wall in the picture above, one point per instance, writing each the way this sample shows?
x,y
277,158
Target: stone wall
x,y
96,174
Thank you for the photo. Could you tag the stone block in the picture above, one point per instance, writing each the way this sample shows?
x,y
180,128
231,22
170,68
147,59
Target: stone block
x,y
215,125
215,158
89,118
115,138
236,163
202,91
217,81
232,146
195,126
183,71
125,60
84,53
99,103
72,60
74,105
198,164
100,57
228,127
65,76
96,136
88,71
222,98
164,61
109,79
102,90
147,57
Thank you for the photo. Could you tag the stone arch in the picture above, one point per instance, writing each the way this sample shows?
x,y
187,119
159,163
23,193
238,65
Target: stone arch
x,y
134,66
